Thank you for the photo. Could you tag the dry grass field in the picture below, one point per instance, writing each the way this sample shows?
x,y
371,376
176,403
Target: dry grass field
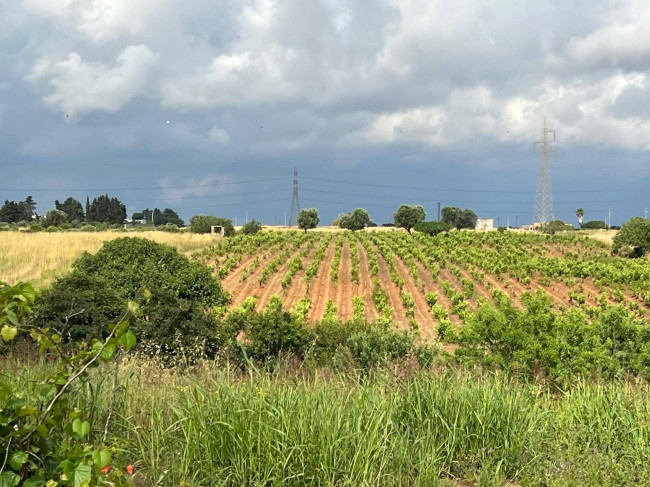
x,y
40,257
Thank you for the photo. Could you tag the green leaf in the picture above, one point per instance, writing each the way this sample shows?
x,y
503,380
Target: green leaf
x,y
36,482
82,475
8,332
9,479
107,353
81,428
128,340
12,317
101,458
17,459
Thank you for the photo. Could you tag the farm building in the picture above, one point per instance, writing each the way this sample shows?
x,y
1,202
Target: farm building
x,y
484,224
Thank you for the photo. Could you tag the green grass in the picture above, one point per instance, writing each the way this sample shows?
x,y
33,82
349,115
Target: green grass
x,y
214,426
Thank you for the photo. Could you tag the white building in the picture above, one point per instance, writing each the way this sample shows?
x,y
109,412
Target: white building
x,y
485,224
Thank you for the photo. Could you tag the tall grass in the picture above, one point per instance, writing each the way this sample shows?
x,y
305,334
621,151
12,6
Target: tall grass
x,y
218,427
40,257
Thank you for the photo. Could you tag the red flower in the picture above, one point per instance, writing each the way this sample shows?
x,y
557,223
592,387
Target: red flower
x,y
129,468
105,469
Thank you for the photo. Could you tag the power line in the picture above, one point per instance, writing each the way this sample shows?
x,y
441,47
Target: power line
x,y
411,198
100,190
458,190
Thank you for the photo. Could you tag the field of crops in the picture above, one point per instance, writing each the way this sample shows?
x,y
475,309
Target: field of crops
x,y
420,281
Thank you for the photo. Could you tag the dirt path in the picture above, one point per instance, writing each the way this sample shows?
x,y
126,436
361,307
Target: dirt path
x,y
299,288
345,288
422,315
431,285
250,287
480,289
233,278
394,298
366,284
321,291
274,285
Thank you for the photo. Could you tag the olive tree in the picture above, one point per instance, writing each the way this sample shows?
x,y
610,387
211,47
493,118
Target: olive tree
x,y
355,220
308,219
407,216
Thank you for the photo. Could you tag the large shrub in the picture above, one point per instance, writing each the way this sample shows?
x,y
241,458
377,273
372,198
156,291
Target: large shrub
x,y
204,223
174,295
634,238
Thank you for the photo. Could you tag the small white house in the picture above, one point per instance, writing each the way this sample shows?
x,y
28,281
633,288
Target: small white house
x,y
485,224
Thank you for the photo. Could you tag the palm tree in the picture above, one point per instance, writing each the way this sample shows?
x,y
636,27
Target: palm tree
x,y
580,213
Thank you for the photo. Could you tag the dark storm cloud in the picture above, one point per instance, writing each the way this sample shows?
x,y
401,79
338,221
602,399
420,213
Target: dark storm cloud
x,y
376,91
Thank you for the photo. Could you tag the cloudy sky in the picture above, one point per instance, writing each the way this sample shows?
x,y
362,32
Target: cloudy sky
x,y
206,106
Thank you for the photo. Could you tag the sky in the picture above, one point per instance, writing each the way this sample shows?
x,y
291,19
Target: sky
x,y
206,106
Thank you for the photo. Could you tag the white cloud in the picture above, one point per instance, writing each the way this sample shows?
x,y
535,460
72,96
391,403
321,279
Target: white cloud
x,y
100,20
219,135
80,86
622,41
241,78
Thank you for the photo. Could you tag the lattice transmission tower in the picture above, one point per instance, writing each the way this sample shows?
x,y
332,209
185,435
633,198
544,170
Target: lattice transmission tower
x,y
295,202
543,212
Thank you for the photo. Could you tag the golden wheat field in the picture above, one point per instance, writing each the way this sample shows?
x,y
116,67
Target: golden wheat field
x,y
40,257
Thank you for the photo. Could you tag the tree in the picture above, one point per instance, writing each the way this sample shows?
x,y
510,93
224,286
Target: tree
x,y
87,206
10,212
251,227
432,228
72,208
55,218
580,213
633,239
355,220
556,226
106,210
594,225
459,218
21,211
308,219
169,217
407,216
204,224
29,208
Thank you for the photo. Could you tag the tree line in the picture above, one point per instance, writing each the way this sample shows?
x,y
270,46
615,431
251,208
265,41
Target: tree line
x,y
102,209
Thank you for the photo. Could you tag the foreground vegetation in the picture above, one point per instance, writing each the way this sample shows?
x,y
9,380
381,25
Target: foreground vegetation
x,y
216,426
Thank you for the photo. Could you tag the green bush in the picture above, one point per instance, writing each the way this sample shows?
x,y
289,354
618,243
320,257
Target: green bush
x,y
174,311
35,227
251,227
87,228
204,224
330,343
607,342
432,228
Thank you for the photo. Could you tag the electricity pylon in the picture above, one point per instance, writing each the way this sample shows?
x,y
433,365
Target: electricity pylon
x,y
295,202
543,212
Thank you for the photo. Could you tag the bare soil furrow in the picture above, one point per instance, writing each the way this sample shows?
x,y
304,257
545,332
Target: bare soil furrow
x,y
299,288
366,284
345,288
422,315
320,290
274,284
250,287
391,289
431,285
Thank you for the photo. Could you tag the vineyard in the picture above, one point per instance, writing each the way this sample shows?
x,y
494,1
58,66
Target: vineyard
x,y
421,282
